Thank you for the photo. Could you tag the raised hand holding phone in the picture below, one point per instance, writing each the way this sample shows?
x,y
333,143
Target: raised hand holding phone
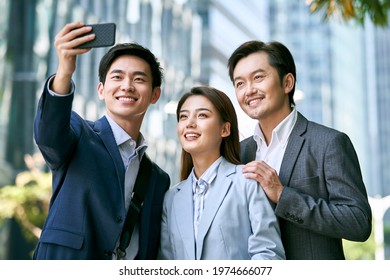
x,y
74,39
66,41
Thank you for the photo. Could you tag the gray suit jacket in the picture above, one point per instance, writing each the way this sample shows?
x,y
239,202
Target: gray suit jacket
x,y
324,199
238,221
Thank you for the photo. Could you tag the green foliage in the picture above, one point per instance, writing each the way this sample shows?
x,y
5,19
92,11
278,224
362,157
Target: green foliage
x,y
365,250
28,200
360,250
376,10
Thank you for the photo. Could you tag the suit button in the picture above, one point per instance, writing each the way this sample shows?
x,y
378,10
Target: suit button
x,y
118,219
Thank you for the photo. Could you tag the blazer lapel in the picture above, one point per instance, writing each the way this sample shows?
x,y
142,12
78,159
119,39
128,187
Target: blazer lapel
x,y
183,213
293,149
214,200
103,129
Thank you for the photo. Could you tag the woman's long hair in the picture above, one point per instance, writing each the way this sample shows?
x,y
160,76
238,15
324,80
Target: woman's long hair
x,y
230,146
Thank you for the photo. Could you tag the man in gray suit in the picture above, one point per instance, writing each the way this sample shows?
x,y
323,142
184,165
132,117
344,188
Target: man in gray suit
x,y
309,172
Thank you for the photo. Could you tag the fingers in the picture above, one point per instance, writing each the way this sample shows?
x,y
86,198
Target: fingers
x,y
69,27
261,172
255,170
65,42
71,36
266,176
256,167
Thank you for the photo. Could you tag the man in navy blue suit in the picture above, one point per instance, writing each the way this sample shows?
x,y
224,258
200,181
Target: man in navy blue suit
x,y
95,164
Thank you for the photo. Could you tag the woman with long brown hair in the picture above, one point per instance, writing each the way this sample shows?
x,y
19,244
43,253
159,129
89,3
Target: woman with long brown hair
x,y
215,212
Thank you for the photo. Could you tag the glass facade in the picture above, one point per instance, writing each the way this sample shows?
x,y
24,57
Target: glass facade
x,y
382,58
169,28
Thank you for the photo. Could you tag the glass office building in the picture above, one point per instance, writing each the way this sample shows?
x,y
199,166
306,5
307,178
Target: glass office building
x,y
169,28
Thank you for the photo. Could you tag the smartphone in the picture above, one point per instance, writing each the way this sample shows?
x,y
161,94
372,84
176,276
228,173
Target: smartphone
x,y
104,36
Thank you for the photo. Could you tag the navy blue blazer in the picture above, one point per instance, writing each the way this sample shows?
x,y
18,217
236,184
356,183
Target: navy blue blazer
x,y
324,199
87,208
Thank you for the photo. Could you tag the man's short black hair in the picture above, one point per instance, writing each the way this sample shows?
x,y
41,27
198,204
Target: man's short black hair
x,y
136,50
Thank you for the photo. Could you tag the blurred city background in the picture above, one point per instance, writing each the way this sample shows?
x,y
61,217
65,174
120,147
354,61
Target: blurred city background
x,y
343,81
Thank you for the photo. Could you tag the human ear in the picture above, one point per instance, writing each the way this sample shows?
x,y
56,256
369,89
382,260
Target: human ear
x,y
100,89
225,129
156,95
288,82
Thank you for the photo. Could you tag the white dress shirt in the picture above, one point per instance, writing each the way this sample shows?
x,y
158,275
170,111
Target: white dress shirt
x,y
274,152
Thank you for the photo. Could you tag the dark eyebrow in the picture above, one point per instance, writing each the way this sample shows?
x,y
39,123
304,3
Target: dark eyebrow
x,y
141,73
136,73
252,73
114,71
197,110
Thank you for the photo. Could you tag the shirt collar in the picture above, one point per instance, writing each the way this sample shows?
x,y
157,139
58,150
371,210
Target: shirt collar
x,y
281,132
208,176
121,136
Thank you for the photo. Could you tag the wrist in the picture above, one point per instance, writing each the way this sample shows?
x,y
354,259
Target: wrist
x,y
61,83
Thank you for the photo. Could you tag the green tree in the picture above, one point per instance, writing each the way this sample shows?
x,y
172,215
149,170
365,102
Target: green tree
x,y
376,10
28,200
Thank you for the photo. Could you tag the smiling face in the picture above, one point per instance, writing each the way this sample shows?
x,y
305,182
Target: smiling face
x,y
200,128
127,90
259,90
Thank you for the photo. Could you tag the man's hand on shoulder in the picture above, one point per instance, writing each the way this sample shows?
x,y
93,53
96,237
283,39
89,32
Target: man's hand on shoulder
x,y
266,176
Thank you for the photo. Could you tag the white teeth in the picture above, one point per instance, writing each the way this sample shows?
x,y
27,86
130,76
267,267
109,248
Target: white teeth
x,y
189,135
253,101
126,99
